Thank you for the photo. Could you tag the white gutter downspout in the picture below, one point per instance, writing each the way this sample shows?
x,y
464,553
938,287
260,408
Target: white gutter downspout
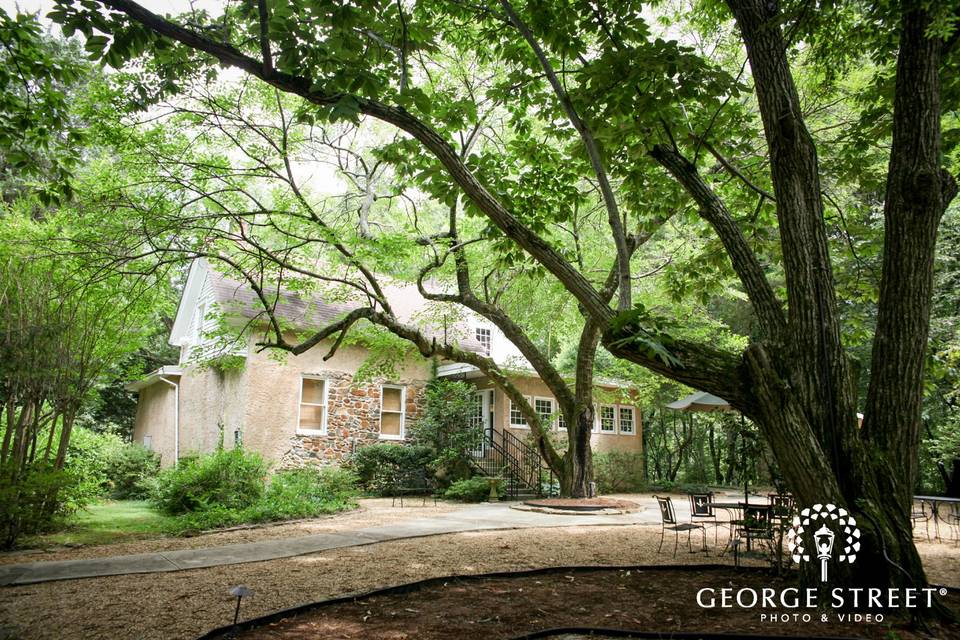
x,y
176,419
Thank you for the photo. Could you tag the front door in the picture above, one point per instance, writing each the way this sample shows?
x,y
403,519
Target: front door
x,y
481,413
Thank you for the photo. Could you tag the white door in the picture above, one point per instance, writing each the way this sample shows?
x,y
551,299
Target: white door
x,y
481,413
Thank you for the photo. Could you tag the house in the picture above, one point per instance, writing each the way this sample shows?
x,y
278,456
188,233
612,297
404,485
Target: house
x,y
301,409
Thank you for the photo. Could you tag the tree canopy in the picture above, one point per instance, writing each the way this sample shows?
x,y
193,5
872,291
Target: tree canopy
x,y
804,159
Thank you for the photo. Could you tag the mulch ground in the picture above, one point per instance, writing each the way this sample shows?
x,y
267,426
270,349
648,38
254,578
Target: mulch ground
x,y
584,503
658,600
182,605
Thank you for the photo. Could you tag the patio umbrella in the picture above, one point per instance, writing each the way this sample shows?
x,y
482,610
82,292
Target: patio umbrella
x,y
701,401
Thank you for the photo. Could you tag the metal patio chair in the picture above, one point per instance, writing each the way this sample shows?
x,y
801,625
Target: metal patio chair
x,y
919,514
702,512
781,506
756,526
668,520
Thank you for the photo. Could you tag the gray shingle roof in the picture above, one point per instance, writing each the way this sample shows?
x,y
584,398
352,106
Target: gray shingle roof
x,y
311,311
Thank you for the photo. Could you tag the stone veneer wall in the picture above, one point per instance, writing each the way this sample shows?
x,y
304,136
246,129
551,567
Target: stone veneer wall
x,y
353,420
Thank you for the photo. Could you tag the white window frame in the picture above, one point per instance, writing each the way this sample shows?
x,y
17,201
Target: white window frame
x,y
633,419
402,412
553,408
201,316
514,425
326,406
596,418
488,345
148,443
560,422
616,419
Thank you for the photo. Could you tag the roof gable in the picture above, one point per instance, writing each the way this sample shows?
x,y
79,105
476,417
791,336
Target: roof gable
x,y
207,285
188,301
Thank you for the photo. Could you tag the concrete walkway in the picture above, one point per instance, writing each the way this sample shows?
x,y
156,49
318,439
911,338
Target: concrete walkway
x,y
485,517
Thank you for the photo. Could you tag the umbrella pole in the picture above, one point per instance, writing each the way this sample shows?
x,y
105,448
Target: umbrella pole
x,y
743,457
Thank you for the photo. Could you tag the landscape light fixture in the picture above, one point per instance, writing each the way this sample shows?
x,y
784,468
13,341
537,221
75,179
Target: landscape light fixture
x,y
238,592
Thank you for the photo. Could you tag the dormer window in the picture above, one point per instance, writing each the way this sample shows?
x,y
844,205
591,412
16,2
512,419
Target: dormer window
x,y
483,337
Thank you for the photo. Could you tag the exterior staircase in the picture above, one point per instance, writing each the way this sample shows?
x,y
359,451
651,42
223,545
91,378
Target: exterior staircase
x,y
520,465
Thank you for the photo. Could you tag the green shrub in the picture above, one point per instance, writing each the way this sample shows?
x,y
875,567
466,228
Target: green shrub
x,y
475,489
666,486
294,493
103,464
230,479
377,465
214,517
39,501
88,460
131,472
618,472
446,428
302,493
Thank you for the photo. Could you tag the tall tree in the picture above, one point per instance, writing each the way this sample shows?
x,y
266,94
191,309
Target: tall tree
x,y
622,94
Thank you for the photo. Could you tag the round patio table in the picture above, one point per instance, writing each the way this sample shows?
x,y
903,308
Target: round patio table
x,y
734,515
935,502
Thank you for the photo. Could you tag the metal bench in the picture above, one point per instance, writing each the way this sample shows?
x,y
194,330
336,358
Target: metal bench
x,y
413,483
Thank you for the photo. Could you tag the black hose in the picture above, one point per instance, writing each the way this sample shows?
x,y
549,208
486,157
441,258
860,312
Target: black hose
x,y
230,630
656,635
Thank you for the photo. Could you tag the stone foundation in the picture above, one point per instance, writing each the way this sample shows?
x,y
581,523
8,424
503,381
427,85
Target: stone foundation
x,y
353,420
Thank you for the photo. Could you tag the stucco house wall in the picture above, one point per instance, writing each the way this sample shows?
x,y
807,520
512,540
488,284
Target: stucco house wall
x,y
211,400
154,423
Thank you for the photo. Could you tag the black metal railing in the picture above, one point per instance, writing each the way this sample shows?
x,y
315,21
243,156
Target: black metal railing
x,y
519,463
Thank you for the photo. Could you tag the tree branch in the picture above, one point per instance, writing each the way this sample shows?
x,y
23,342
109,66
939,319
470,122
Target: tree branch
x,y
593,152
526,238
265,36
744,260
733,170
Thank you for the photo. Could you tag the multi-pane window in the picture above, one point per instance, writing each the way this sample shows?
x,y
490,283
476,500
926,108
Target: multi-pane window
x,y
483,337
148,442
544,408
313,406
391,412
608,419
627,423
516,416
475,416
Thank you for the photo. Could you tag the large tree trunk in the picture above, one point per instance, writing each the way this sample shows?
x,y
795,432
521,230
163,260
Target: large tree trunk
x,y
918,192
578,460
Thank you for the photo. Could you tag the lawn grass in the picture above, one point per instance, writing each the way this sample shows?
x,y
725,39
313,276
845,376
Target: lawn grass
x,y
108,522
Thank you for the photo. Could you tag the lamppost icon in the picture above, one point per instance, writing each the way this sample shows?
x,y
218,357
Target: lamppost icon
x,y
823,538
